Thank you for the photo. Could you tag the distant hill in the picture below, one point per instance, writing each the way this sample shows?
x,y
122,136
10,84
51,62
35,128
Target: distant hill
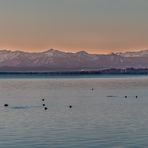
x,y
54,60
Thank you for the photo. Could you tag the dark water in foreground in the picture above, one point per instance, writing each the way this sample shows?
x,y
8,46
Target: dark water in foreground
x,y
98,119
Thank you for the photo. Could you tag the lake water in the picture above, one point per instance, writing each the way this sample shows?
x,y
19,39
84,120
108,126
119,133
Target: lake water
x,y
99,118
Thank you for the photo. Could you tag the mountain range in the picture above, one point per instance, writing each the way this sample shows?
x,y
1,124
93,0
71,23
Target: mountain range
x,y
54,60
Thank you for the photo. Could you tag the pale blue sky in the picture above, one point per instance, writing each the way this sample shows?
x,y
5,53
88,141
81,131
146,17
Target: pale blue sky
x,y
92,25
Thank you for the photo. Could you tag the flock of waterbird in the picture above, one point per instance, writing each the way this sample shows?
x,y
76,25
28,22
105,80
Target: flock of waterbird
x,y
69,106
43,104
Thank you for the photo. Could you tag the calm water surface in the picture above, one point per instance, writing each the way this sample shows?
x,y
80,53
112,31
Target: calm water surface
x,y
100,118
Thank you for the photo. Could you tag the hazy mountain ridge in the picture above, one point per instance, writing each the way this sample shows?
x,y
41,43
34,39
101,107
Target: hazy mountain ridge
x,y
54,60
142,53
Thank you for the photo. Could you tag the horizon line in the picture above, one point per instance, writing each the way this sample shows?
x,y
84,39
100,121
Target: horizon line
x,y
50,49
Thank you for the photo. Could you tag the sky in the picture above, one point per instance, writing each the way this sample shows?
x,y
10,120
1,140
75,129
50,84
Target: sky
x,y
96,26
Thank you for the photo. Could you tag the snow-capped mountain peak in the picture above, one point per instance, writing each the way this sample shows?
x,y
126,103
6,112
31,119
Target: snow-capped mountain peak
x,y
58,60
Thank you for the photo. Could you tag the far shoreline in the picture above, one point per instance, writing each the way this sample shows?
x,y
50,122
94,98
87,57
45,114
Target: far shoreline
x,y
109,71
